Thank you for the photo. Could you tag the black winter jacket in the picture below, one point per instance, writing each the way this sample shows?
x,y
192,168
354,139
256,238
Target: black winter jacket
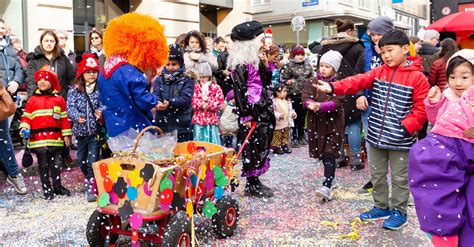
x,y
429,53
61,65
353,63
225,82
179,91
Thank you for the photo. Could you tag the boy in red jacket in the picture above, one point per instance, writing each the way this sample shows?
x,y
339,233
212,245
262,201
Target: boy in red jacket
x,y
398,90
46,123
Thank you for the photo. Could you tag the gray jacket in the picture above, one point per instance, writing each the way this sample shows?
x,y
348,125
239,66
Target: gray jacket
x,y
10,65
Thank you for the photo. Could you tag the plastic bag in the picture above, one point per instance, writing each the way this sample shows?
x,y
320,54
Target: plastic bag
x,y
158,147
153,147
123,142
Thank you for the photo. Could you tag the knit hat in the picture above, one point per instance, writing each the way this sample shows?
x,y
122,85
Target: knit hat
x,y
176,53
297,50
381,25
47,73
204,69
332,58
88,62
429,34
229,96
246,31
467,54
268,33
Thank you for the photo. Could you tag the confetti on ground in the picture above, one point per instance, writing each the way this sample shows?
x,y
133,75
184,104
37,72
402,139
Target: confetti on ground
x,y
295,216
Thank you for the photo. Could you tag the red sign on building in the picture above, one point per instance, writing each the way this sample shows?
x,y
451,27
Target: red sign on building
x,y
463,7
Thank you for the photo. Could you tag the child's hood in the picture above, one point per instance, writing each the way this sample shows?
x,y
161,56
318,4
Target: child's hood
x,y
414,64
450,95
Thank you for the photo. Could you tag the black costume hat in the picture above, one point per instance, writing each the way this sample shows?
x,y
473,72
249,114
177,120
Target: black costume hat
x,y
246,31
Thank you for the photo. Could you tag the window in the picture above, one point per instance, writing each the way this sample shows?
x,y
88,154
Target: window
x,y
364,4
260,2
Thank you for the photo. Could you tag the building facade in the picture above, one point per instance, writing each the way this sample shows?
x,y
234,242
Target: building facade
x,y
321,14
29,18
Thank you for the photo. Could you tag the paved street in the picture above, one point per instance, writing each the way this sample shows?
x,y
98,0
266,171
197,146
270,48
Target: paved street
x,y
294,216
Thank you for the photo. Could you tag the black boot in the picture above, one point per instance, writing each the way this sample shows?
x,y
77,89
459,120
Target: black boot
x,y
343,163
55,167
60,190
264,187
302,141
278,150
254,187
42,157
355,161
294,143
286,149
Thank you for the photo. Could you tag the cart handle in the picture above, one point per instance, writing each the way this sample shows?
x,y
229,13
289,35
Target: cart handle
x,y
244,143
135,143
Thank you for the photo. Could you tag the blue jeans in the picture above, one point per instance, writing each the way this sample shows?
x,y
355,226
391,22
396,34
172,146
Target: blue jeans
x,y
365,120
353,138
7,153
87,153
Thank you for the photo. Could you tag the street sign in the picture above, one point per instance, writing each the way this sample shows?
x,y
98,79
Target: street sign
x,y
308,3
297,24
446,10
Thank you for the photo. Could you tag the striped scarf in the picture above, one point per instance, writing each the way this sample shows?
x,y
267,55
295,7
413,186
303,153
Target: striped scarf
x,y
321,78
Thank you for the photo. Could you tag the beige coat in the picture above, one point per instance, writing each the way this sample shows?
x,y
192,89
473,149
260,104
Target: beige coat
x,y
191,64
283,109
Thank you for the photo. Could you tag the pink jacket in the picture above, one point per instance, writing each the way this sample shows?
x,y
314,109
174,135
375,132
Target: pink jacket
x,y
208,116
451,116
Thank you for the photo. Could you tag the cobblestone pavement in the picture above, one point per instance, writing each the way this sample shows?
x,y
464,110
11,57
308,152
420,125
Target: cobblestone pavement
x,y
294,216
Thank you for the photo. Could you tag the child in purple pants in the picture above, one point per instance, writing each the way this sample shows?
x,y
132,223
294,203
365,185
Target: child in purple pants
x,y
441,166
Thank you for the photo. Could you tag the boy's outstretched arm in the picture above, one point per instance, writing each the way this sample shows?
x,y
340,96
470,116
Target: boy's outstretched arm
x,y
350,85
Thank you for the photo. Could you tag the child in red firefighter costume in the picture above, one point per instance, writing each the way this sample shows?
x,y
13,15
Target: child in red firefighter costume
x,y
45,121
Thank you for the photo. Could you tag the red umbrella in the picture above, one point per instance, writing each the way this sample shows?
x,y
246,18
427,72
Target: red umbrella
x,y
457,22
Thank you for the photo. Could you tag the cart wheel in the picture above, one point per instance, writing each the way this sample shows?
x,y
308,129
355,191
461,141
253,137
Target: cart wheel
x,y
177,231
225,220
96,231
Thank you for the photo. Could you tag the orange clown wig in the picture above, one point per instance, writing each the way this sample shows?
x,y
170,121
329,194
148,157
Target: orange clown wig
x,y
138,38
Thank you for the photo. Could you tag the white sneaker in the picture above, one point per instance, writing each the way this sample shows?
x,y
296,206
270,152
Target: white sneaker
x,y
325,193
18,183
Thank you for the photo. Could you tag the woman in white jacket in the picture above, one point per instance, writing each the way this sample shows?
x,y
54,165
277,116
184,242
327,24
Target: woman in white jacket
x,y
196,52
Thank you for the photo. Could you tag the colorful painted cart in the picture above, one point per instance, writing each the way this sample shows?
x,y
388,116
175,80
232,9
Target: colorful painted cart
x,y
158,200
